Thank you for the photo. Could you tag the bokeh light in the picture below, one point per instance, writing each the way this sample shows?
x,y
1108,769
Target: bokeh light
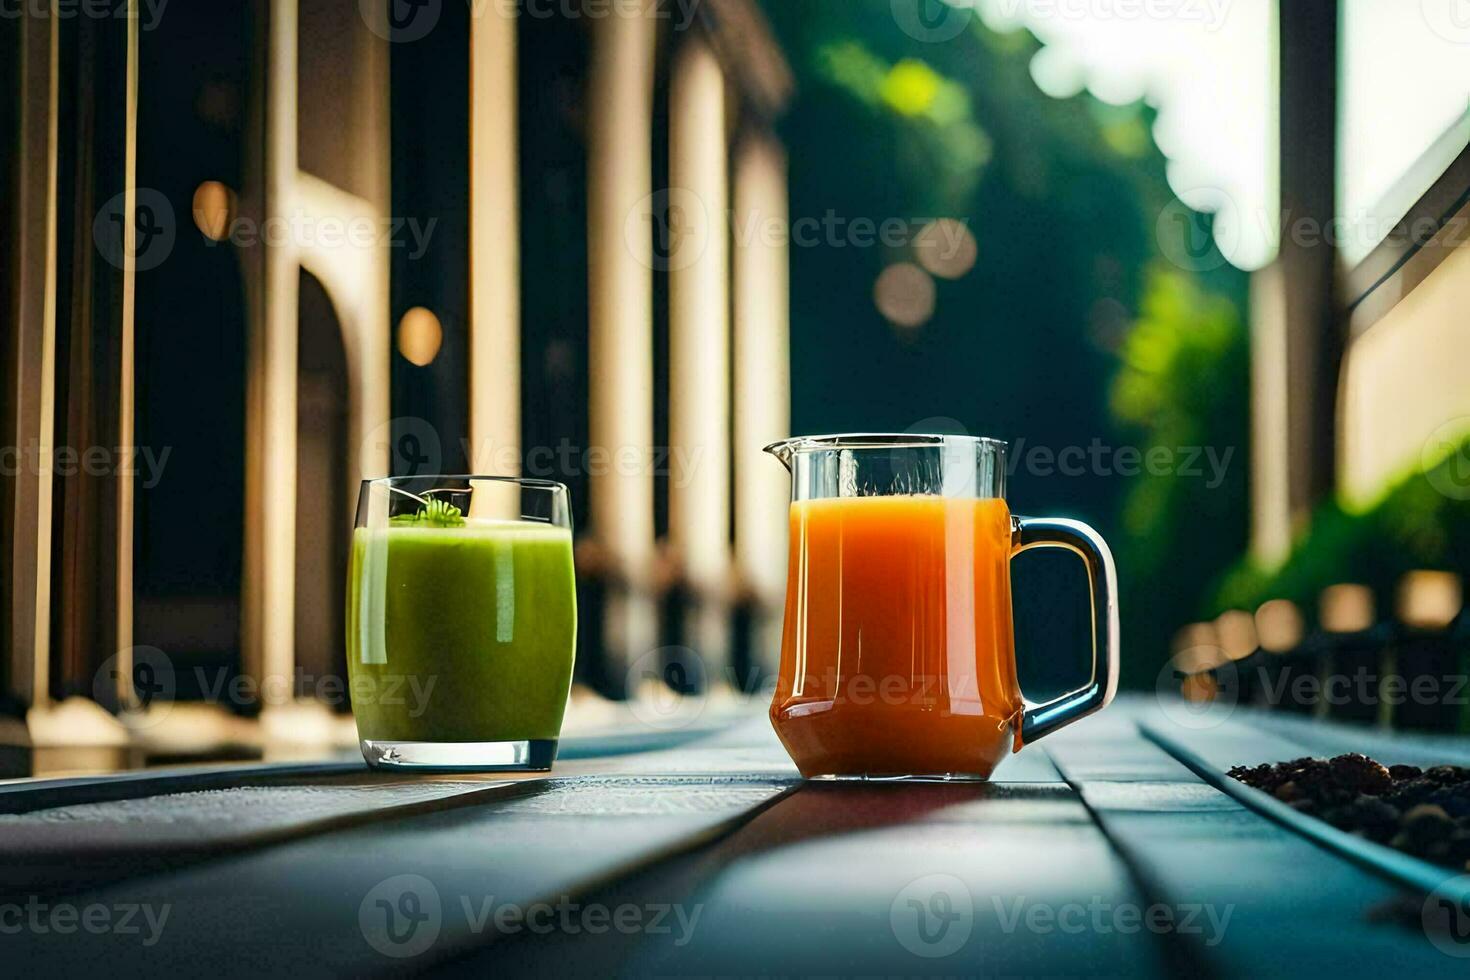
x,y
420,336
1429,600
946,248
1279,626
1346,608
214,209
1237,632
905,295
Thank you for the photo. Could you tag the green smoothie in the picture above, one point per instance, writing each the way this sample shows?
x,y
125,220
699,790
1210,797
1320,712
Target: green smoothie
x,y
461,634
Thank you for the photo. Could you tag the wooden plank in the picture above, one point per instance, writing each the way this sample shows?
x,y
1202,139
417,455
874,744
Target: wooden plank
x,y
308,907
1210,759
578,755
822,882
64,849
1288,901
25,795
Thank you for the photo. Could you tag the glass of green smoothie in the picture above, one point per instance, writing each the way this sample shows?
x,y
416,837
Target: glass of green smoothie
x,y
461,621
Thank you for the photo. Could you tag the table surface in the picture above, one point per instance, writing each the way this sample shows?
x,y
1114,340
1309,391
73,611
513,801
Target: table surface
x,y
1094,852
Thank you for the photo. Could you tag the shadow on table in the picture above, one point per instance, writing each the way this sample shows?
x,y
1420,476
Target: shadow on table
x,y
807,837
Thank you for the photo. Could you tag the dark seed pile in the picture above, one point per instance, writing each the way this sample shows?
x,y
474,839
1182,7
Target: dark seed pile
x,y
1424,812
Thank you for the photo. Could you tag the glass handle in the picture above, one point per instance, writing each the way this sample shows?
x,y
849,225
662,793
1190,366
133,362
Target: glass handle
x,y
1076,537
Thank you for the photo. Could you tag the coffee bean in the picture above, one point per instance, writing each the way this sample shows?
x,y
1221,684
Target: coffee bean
x,y
1445,775
1428,829
1358,772
1424,812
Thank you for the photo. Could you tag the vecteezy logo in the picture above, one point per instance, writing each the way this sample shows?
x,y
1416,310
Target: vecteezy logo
x,y
1213,694
933,915
919,466
150,695
153,225
1444,461
400,20
931,20
400,916
679,223
1445,917
1186,236
412,446
666,688
1450,19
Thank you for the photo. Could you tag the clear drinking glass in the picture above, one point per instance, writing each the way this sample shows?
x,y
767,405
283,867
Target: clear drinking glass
x,y
461,621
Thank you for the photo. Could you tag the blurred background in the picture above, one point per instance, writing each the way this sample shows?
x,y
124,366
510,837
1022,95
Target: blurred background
x,y
1201,262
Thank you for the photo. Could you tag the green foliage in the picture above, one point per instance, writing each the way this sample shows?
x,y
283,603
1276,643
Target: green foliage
x,y
1183,388
1414,526
931,114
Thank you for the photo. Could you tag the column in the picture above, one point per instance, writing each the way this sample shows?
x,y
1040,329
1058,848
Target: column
x,y
269,591
620,328
762,381
495,310
355,277
30,385
699,338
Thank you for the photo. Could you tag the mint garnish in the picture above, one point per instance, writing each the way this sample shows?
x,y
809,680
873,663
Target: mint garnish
x,y
436,513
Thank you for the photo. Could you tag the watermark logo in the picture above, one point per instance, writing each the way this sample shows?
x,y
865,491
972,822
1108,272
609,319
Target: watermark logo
x,y
933,916
1210,464
1198,699
40,918
36,458
411,444
1186,236
148,13
324,232
568,460
155,230
1445,917
400,21
667,688
931,21
916,468
155,680
401,916
1210,14
1102,917
1449,19
679,224
150,696
938,425
1444,459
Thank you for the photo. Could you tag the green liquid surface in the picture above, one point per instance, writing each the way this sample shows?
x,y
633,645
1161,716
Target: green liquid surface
x,y
461,634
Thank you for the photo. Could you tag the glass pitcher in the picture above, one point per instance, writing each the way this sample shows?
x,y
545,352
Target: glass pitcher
x,y
897,653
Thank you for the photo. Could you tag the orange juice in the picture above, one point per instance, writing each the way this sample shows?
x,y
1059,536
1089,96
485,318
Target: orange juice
x,y
897,655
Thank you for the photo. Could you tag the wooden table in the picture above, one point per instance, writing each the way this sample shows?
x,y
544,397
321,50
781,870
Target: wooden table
x,y
1095,852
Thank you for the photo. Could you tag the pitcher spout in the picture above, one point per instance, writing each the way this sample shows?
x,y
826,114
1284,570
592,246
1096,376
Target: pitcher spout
x,y
783,450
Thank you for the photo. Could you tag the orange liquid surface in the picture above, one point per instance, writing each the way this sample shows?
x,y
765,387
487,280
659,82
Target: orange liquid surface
x,y
897,656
